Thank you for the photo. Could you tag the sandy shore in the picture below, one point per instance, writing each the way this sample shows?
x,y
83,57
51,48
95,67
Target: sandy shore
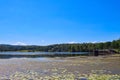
x,y
53,66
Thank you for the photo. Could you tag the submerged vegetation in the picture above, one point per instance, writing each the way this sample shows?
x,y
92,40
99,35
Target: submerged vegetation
x,y
70,68
63,75
77,47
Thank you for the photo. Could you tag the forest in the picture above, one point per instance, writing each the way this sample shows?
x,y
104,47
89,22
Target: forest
x,y
77,47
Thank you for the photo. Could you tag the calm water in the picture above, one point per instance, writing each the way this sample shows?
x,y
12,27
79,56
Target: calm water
x,y
7,55
44,59
28,53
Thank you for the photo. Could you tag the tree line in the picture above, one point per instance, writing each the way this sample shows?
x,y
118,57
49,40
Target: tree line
x,y
77,47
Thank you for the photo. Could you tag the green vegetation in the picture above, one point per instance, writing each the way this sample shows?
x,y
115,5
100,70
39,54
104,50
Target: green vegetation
x,y
83,47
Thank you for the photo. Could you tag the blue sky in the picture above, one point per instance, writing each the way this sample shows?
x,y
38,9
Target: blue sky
x,y
43,22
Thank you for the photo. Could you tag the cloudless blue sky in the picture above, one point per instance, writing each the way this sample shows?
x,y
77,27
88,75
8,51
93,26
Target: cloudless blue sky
x,y
44,22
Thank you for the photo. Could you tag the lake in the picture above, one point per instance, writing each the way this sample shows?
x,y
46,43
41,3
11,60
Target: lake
x,y
40,54
44,53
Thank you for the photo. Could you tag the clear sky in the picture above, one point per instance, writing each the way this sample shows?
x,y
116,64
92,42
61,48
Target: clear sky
x,y
43,22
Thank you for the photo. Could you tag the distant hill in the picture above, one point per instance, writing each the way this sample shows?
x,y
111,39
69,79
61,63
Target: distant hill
x,y
78,47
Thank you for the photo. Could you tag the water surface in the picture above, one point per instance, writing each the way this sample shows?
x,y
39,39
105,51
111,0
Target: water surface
x,y
39,54
29,53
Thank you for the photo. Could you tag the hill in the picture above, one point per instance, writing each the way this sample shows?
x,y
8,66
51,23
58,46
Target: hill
x,y
78,47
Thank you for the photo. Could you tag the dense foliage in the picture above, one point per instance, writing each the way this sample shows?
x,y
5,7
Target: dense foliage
x,y
115,44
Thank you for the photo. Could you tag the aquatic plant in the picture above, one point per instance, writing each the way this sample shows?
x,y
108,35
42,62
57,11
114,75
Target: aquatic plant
x,y
64,75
